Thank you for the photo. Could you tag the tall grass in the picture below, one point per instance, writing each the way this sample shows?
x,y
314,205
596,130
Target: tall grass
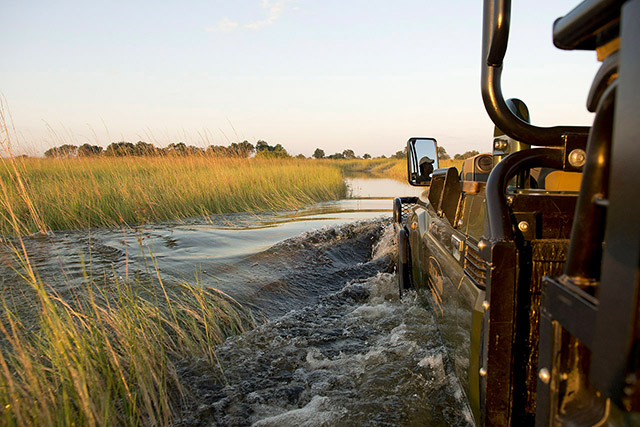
x,y
397,169
108,191
109,354
451,163
375,168
384,168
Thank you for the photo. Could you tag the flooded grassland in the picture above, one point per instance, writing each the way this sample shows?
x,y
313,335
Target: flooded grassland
x,y
318,334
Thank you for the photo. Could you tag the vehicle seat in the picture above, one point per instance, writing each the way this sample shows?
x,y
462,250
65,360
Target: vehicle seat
x,y
555,180
445,192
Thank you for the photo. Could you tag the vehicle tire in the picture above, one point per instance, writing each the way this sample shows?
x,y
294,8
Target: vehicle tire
x,y
403,268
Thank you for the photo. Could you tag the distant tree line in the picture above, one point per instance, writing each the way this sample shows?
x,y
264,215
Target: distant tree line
x,y
141,148
442,154
347,154
235,149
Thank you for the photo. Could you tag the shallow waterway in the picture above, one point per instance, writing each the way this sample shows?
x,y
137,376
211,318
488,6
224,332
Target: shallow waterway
x,y
335,346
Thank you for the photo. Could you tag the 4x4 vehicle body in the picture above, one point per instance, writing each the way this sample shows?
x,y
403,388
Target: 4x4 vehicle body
x,y
530,255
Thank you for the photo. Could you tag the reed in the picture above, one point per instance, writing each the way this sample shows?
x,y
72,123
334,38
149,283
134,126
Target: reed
x,y
58,194
109,353
372,167
398,169
451,163
109,356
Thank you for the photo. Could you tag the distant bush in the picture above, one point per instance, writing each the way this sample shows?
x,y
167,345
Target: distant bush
x,y
466,155
65,150
263,149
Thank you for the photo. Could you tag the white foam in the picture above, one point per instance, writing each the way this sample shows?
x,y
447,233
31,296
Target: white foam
x,y
382,287
319,411
434,362
371,312
387,244
317,361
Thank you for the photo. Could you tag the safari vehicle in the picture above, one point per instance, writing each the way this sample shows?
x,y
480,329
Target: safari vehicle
x,y
530,255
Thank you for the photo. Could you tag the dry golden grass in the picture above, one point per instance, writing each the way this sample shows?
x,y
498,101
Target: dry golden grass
x,y
58,194
108,355
387,168
451,163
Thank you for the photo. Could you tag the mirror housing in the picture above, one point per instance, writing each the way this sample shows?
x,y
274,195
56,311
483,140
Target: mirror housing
x,y
422,160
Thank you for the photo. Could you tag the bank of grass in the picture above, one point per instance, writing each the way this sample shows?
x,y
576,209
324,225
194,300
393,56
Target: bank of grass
x,y
373,167
59,194
386,168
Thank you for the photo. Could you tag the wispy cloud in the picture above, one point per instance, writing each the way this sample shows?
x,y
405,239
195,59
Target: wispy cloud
x,y
274,8
224,26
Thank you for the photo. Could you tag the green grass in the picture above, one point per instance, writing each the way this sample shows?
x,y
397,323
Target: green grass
x,y
59,194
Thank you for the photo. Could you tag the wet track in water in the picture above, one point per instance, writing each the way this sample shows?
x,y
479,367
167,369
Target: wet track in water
x,y
336,345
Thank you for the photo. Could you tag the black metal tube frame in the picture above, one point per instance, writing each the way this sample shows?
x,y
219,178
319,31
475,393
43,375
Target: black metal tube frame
x,y
497,14
587,232
497,209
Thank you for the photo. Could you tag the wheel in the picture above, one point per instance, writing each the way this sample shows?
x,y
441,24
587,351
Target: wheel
x,y
403,270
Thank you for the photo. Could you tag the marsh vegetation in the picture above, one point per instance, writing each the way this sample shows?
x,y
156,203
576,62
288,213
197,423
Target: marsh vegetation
x,y
61,193
110,352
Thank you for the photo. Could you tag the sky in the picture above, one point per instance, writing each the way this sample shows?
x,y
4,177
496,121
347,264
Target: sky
x,y
363,75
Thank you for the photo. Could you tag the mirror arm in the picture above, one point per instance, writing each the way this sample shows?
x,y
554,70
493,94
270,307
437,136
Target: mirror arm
x,y
497,15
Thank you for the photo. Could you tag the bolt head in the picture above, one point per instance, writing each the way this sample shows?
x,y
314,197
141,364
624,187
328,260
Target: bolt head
x,y
485,305
628,390
544,375
482,372
577,158
500,144
523,226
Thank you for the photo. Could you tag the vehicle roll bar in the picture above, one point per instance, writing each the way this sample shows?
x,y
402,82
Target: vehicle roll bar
x,y
587,233
500,222
578,29
495,36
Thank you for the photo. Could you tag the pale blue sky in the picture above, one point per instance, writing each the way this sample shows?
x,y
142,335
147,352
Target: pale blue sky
x,y
365,75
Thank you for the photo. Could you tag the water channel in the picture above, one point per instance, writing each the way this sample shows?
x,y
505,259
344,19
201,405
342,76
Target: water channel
x,y
335,345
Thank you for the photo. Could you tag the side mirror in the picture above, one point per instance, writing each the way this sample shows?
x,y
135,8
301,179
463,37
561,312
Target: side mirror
x,y
422,160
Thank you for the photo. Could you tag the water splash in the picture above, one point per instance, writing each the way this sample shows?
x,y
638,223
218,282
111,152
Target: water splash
x,y
360,356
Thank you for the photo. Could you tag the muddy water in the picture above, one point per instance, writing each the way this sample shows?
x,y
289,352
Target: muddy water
x,y
336,346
